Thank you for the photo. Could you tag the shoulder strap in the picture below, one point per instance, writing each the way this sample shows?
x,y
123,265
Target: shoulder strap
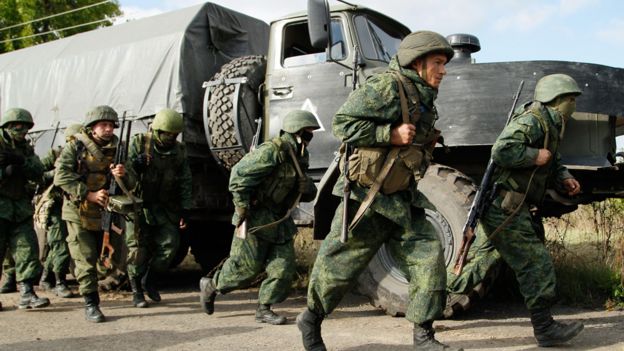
x,y
90,145
405,84
545,127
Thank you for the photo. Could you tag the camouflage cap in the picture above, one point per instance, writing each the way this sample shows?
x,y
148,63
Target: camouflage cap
x,y
72,130
418,44
296,120
553,85
17,115
101,113
168,120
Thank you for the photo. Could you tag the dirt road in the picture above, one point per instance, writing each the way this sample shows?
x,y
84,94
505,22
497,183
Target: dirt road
x,y
177,323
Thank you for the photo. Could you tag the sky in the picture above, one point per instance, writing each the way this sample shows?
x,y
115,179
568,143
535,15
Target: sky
x,y
508,30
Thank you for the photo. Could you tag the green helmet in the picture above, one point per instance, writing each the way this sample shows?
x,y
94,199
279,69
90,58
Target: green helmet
x,y
296,120
101,113
168,120
553,85
18,115
421,43
72,130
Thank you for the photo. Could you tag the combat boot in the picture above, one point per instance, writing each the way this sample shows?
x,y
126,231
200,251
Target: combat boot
x,y
207,295
424,339
264,314
28,298
61,289
309,323
149,285
9,285
92,308
138,300
44,282
548,332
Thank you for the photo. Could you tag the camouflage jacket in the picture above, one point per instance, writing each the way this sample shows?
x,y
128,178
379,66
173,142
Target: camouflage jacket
x,y
517,147
15,199
265,183
367,118
165,185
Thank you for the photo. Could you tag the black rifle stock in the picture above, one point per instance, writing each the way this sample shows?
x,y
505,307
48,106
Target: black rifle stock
x,y
481,201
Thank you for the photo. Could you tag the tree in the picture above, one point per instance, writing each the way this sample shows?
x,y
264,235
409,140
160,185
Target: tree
x,y
14,12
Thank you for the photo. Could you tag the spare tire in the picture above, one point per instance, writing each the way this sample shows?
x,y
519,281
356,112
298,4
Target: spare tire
x,y
231,106
451,192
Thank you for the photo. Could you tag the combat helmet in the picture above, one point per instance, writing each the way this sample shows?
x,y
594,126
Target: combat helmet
x,y
18,115
168,120
420,43
101,113
72,130
296,120
553,85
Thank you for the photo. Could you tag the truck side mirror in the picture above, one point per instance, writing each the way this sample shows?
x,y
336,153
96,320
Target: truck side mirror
x,y
319,24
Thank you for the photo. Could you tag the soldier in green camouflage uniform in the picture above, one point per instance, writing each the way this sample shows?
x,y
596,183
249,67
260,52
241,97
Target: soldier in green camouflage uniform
x,y
371,121
56,264
84,170
9,284
18,165
526,153
265,185
164,183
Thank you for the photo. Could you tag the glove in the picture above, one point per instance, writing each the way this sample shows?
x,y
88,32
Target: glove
x,y
302,185
241,212
140,163
10,158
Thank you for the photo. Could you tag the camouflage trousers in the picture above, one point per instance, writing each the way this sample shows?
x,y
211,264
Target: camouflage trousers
x,y
8,265
520,245
19,240
153,247
250,257
57,259
416,249
84,247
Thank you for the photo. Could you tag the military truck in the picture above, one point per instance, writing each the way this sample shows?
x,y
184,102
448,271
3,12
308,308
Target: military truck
x,y
252,74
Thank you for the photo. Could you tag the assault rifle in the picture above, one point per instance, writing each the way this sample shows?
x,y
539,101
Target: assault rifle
x,y
108,250
243,228
483,198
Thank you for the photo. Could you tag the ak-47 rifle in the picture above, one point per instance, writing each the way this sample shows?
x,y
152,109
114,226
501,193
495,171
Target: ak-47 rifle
x,y
484,196
108,250
243,228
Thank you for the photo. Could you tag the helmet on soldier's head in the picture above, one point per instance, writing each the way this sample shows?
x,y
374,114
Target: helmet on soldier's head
x,y
296,120
421,43
553,85
101,113
17,115
168,120
72,130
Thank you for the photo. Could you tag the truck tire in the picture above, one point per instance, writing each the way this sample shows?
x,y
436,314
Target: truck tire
x,y
451,193
231,114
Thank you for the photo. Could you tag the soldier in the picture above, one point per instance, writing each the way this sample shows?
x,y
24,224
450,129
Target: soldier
x,y
48,207
18,165
83,172
164,184
373,121
265,186
528,162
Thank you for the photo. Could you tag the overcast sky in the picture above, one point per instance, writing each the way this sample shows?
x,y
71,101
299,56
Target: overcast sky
x,y
509,30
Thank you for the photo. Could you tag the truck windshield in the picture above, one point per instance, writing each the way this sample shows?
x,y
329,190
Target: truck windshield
x,y
376,43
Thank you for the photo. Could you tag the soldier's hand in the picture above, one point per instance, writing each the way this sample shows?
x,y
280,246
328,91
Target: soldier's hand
x,y
543,156
572,186
99,197
141,162
402,134
118,170
10,158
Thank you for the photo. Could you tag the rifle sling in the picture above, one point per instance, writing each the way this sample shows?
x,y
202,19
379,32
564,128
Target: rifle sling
x,y
388,163
91,147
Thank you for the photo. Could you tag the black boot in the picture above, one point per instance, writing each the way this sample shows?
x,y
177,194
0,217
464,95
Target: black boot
x,y
207,295
548,332
138,300
28,298
44,281
424,339
61,289
92,308
264,314
9,285
149,285
309,323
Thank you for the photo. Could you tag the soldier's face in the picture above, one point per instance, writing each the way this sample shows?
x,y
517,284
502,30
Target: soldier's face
x,y
103,130
431,69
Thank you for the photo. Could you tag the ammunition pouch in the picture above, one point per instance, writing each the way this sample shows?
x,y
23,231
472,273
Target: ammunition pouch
x,y
512,200
90,215
123,204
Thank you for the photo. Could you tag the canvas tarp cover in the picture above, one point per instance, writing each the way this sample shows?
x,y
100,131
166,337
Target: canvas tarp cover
x,y
140,66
